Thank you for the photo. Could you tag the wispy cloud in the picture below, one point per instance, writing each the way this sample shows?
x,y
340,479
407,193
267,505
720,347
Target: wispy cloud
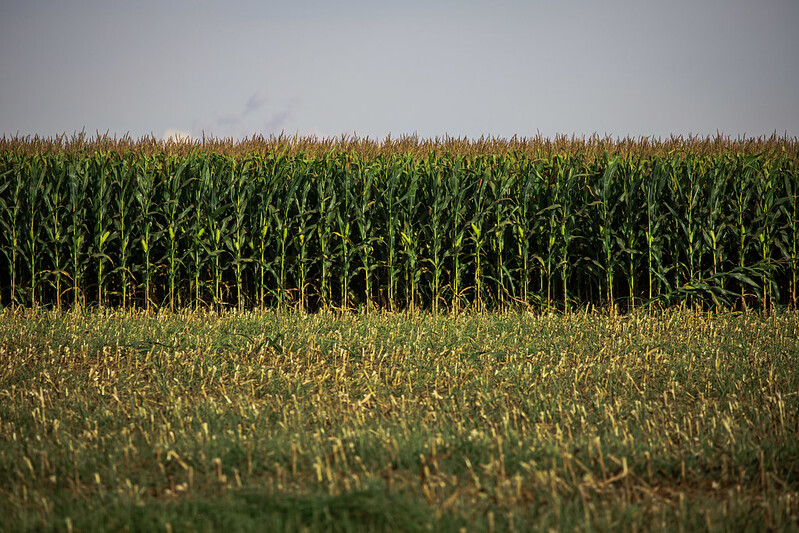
x,y
255,103
278,121
256,117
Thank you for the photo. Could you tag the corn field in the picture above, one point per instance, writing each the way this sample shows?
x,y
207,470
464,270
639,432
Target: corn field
x,y
403,224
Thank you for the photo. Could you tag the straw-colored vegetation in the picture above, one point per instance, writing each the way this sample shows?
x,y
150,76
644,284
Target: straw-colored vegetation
x,y
385,422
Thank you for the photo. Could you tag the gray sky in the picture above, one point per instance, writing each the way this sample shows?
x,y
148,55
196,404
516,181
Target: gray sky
x,y
458,68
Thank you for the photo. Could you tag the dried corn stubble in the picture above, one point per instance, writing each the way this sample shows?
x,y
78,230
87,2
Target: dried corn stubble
x,y
393,420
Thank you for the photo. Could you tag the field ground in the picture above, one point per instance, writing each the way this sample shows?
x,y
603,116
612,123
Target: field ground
x,y
114,420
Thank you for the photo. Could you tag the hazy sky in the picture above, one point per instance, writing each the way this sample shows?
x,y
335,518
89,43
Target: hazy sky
x,y
458,68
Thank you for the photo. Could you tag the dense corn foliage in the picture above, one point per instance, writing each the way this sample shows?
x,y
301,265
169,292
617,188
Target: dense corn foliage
x,y
448,226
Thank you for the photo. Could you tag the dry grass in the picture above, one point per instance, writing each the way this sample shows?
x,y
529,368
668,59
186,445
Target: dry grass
x,y
285,421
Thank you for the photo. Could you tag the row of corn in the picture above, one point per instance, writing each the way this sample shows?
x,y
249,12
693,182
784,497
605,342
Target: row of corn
x,y
396,231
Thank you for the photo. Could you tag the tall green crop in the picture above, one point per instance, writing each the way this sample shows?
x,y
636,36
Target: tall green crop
x,y
145,196
437,227
630,224
7,243
765,229
607,200
327,202
789,240
742,195
29,196
123,178
654,183
561,214
175,214
409,234
55,199
716,225
398,227
686,189
478,226
101,235
363,197
525,227
241,190
13,211
501,207
392,230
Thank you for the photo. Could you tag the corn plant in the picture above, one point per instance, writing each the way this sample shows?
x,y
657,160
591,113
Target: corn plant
x,y
303,231
686,189
282,221
654,183
196,230
478,224
327,199
742,206
218,217
77,230
145,195
550,219
570,216
33,177
501,207
123,178
55,216
525,227
292,223
409,234
391,221
629,228
7,246
459,215
788,239
174,214
436,228
101,234
716,225
14,221
345,218
273,172
607,199
562,217
765,229
241,193
364,207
